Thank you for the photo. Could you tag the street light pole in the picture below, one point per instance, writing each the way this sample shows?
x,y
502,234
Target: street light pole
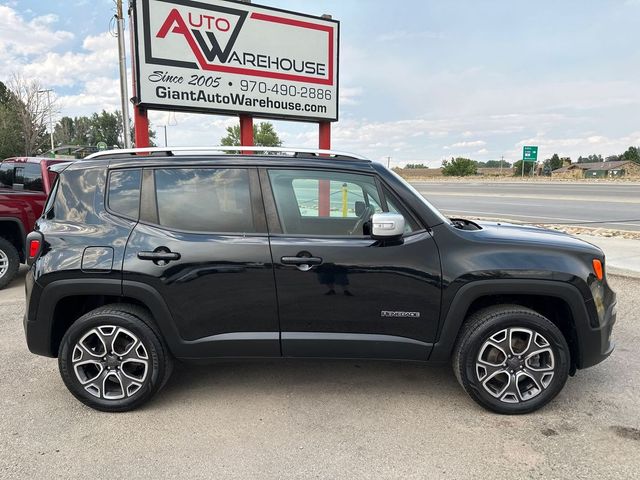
x,y
48,92
124,94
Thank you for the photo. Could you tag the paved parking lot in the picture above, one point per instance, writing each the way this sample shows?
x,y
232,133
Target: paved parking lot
x,y
318,419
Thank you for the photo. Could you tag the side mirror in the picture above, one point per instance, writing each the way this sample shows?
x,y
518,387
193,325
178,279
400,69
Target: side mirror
x,y
385,226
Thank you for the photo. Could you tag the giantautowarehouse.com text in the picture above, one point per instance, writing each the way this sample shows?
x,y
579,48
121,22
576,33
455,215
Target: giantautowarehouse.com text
x,y
237,99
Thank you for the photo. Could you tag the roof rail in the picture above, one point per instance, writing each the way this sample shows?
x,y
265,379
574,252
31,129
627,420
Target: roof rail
x,y
170,151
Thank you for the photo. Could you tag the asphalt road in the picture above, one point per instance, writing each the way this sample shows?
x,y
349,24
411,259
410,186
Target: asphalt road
x,y
539,202
318,419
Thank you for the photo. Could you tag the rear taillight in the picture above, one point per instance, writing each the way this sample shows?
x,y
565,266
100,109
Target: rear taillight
x,y
35,241
34,248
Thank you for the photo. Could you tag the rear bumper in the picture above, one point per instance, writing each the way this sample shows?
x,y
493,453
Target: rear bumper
x,y
37,333
596,344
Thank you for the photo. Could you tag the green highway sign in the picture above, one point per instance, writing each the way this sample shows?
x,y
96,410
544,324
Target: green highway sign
x,y
530,154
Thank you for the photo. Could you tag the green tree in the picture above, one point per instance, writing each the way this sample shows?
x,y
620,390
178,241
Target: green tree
x,y
264,135
632,154
106,127
88,131
459,167
550,164
64,131
494,164
528,167
11,142
33,110
590,159
498,164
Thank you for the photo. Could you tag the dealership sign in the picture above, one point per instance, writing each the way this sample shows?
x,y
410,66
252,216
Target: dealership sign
x,y
228,57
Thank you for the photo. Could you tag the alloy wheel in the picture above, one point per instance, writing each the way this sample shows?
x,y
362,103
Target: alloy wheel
x,y
110,362
515,364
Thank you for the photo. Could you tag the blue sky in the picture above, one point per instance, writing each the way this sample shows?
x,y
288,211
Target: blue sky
x,y
420,80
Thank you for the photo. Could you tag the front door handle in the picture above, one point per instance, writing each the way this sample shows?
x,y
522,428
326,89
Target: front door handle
x,y
301,260
304,264
160,256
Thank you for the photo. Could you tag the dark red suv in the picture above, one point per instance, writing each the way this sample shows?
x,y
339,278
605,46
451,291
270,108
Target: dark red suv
x,y
24,185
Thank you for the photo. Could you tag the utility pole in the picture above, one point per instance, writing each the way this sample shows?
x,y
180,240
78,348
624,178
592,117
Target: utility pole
x,y
165,135
388,162
124,94
501,162
48,92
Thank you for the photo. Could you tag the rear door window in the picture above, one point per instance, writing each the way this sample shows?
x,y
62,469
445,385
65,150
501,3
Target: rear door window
x,y
6,174
32,177
213,200
18,177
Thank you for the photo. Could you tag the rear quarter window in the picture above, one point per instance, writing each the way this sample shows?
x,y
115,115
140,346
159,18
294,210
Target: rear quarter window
x,y
80,196
124,192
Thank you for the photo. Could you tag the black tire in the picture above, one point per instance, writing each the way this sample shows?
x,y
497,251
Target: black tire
x,y
135,334
8,251
484,383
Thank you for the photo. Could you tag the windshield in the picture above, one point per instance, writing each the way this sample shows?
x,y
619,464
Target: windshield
x,y
421,197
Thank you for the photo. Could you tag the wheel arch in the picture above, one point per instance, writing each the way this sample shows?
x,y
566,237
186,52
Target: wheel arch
x,y
13,231
63,302
560,302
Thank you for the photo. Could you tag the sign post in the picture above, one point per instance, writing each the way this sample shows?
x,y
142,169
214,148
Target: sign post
x,y
529,154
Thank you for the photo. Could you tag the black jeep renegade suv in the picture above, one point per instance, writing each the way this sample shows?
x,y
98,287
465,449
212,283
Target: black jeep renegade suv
x,y
141,259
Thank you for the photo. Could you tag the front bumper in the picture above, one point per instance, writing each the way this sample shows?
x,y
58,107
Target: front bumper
x,y
596,343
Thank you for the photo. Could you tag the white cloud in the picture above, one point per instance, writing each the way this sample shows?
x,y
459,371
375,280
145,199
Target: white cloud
x,y
350,95
20,38
186,129
100,54
474,143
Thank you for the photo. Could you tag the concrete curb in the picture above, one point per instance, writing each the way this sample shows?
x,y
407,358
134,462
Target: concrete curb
x,y
622,272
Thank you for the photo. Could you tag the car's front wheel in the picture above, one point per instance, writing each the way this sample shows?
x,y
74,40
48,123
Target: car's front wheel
x,y
111,359
510,359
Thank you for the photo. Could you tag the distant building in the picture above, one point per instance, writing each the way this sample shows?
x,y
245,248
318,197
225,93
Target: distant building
x,y
74,151
598,170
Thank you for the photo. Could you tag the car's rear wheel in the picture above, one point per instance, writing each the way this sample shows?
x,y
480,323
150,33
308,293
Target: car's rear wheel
x,y
111,359
510,359
9,262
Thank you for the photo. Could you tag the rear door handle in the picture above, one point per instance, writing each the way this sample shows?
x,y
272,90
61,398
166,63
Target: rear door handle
x,y
160,256
301,260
